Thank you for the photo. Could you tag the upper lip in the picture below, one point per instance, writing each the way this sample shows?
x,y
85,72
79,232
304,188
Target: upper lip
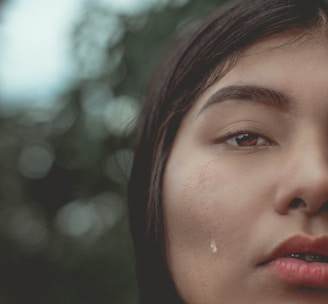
x,y
299,244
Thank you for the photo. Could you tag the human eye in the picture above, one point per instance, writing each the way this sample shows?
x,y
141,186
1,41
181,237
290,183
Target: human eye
x,y
246,140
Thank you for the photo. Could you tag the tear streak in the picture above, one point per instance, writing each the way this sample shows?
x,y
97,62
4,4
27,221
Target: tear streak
x,y
213,247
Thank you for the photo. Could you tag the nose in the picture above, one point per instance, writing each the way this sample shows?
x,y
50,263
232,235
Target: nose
x,y
303,182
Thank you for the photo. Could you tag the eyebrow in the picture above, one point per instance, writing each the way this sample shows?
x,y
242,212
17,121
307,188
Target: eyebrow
x,y
258,94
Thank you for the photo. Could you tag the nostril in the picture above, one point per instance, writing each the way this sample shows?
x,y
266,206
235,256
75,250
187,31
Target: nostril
x,y
297,202
324,207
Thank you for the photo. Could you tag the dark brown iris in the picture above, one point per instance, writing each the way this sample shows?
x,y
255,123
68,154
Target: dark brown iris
x,y
247,140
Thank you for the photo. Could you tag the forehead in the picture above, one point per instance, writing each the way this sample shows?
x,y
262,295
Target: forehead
x,y
281,63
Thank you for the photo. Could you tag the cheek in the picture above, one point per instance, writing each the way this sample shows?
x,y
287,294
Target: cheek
x,y
210,211
205,202
188,204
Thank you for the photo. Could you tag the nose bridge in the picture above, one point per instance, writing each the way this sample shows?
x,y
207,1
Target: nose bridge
x,y
313,164
304,178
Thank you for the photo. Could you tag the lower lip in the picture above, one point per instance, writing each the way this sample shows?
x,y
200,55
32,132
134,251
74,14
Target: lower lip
x,y
298,272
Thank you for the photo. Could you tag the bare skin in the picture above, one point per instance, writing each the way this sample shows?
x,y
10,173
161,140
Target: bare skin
x,y
236,165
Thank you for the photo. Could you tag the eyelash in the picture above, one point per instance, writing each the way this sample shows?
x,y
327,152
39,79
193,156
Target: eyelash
x,y
256,136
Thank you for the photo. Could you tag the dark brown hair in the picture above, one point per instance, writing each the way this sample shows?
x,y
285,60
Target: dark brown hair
x,y
200,57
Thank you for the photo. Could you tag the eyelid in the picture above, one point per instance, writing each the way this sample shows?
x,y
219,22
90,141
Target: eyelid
x,y
245,126
231,132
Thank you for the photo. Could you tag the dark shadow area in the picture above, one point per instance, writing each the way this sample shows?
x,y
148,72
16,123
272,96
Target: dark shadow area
x,y
64,234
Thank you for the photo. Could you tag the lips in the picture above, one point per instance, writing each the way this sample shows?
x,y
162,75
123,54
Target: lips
x,y
300,260
301,245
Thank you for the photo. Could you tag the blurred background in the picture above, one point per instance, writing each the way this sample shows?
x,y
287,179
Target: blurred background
x,y
72,76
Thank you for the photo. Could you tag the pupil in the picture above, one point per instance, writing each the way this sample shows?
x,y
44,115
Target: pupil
x,y
247,139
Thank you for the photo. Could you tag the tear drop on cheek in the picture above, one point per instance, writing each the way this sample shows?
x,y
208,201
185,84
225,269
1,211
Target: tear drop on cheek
x,y
213,247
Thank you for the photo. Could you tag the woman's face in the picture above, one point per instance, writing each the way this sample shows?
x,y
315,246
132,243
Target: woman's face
x,y
247,180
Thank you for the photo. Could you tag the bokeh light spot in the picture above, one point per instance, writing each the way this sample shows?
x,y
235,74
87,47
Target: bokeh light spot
x,y
36,160
120,115
89,219
25,227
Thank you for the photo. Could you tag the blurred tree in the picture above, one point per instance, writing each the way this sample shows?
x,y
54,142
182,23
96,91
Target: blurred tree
x,y
64,234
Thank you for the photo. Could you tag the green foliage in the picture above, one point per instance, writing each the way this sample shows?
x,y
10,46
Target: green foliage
x,y
64,233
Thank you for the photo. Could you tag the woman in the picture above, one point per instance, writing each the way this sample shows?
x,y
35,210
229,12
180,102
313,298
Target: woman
x,y
229,189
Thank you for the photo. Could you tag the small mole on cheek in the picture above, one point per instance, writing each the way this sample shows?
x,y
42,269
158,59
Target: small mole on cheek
x,y
213,247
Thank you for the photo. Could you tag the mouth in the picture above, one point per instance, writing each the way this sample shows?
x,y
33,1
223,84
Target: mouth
x,y
308,257
300,260
303,248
